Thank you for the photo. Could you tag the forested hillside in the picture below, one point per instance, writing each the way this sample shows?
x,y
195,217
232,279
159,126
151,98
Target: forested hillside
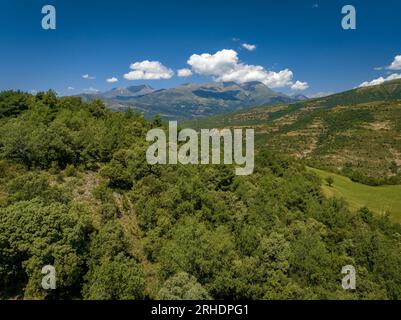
x,y
76,192
355,133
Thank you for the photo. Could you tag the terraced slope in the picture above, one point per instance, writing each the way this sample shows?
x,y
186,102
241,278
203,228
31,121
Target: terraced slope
x,y
356,133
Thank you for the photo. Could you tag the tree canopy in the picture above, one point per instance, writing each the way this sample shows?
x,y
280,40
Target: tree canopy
x,y
76,192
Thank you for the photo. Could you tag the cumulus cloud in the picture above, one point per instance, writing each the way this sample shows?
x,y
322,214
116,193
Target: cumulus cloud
x,y
396,64
249,47
214,65
88,77
112,80
224,65
380,80
184,73
70,88
299,85
148,70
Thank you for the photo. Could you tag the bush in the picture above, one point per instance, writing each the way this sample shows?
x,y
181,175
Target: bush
x,y
117,279
183,287
34,234
329,181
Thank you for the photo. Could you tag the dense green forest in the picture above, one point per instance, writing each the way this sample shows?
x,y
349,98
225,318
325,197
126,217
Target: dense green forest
x,y
76,192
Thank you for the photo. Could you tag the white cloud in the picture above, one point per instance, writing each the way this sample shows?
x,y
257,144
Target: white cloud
x,y
148,70
214,65
184,73
393,76
224,65
300,85
88,77
112,80
396,64
249,47
70,88
380,80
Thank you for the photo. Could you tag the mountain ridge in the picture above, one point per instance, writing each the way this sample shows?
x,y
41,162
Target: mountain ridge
x,y
191,100
356,133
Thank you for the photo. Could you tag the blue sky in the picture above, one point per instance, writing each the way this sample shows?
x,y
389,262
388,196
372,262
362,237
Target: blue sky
x,y
103,38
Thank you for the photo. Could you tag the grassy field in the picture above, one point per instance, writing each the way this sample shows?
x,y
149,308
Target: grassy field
x,y
379,199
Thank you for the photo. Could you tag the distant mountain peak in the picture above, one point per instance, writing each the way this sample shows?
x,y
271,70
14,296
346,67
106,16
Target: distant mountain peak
x,y
130,91
191,100
253,83
229,83
299,96
141,86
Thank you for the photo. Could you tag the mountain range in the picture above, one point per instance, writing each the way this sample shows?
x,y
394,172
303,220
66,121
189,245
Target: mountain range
x,y
192,100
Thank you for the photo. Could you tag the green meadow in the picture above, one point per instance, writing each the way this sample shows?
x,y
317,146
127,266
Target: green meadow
x,y
379,199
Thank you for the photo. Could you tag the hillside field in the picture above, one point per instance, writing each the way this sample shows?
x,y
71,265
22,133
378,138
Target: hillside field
x,y
379,199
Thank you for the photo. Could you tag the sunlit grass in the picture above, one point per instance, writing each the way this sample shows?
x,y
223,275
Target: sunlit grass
x,y
379,199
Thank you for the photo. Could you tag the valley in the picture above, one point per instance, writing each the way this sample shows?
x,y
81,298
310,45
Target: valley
x,y
185,156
